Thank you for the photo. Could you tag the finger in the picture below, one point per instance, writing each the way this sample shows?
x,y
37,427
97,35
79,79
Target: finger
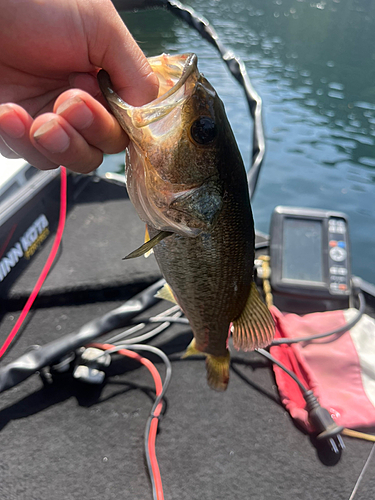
x,y
57,142
98,127
115,50
6,151
61,144
15,125
87,82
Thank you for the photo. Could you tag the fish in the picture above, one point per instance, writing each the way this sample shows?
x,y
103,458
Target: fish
x,y
187,181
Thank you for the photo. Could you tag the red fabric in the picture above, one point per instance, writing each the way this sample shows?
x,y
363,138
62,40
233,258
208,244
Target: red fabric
x,y
330,367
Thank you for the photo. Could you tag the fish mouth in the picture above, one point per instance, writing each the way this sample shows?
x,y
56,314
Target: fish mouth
x,y
177,75
155,129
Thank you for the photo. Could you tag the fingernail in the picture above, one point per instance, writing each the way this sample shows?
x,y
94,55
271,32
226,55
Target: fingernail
x,y
10,123
76,112
52,136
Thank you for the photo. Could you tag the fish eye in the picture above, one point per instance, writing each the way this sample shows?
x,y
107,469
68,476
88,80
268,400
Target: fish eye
x,y
203,130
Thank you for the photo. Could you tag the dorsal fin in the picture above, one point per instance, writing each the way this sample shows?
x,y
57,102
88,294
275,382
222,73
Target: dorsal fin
x,y
255,326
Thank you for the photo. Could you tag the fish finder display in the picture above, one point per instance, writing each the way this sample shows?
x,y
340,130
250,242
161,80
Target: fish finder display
x,y
310,257
302,261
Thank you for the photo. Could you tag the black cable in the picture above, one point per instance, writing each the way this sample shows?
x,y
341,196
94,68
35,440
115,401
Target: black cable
x,y
158,400
153,350
53,352
267,355
167,379
342,329
238,70
362,306
363,285
319,417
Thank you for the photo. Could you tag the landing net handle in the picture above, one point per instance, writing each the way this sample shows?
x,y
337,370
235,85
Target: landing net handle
x,y
234,64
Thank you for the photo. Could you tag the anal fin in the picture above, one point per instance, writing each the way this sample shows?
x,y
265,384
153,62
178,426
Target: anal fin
x,y
255,327
192,351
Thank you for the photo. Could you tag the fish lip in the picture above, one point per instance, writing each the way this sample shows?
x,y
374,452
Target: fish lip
x,y
141,116
189,67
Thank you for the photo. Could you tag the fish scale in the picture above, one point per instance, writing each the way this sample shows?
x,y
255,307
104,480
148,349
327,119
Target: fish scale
x,y
199,278
217,277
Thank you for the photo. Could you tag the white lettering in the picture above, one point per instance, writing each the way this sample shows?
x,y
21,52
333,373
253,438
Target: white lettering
x,y
42,222
2,273
20,248
7,263
4,268
17,252
31,234
25,244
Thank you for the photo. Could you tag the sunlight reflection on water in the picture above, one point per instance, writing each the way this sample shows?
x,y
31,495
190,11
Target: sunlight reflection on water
x,y
313,65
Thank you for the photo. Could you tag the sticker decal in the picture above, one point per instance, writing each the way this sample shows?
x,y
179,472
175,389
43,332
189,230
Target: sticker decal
x,y
26,246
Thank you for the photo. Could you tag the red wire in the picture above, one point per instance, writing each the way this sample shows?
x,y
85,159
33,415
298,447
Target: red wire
x,y
47,265
154,423
124,352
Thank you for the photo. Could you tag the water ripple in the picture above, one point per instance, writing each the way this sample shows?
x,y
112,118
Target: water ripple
x,y
312,62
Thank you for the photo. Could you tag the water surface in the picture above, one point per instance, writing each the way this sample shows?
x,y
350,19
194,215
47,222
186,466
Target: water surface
x,y
313,63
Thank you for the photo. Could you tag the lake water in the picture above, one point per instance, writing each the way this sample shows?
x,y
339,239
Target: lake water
x,y
313,64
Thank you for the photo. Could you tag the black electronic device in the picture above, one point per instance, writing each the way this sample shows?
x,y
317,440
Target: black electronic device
x,y
310,258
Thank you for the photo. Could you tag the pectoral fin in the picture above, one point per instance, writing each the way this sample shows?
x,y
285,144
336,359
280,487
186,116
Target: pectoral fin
x,y
198,207
255,327
192,351
149,245
147,238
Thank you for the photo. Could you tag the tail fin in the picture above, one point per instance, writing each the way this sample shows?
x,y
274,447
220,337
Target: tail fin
x,y
217,367
218,371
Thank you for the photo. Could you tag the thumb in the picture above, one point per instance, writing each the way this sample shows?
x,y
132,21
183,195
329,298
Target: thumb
x,y
113,48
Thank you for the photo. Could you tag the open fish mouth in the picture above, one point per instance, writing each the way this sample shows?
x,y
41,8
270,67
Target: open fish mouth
x,y
166,172
177,75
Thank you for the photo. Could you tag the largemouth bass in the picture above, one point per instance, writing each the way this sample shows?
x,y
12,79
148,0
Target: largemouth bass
x,y
187,181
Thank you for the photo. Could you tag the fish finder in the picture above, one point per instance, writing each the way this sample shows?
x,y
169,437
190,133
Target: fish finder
x,y
310,259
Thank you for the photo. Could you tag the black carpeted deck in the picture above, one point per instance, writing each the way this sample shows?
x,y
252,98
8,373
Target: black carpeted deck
x,y
70,440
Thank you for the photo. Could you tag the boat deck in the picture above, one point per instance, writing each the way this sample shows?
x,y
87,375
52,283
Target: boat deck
x,y
69,440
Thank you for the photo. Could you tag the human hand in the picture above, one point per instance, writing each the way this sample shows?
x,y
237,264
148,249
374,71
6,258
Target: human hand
x,y
51,109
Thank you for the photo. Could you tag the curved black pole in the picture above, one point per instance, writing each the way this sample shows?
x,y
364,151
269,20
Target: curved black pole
x,y
234,64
